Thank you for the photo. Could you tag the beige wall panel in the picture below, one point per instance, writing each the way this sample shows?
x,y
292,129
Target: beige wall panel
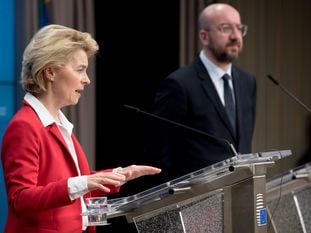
x,y
278,43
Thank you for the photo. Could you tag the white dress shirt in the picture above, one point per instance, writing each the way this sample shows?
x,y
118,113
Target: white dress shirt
x,y
216,74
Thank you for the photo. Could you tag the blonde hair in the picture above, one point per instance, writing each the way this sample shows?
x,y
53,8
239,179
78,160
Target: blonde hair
x,y
51,46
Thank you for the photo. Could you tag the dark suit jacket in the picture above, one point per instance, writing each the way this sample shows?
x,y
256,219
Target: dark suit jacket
x,y
188,96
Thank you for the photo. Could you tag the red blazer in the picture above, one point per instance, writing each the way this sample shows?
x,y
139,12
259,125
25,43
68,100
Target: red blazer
x,y
37,165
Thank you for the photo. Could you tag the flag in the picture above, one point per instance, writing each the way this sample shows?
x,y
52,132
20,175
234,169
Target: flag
x,y
43,13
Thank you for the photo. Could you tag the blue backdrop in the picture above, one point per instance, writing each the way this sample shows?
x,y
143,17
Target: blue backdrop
x,y
7,85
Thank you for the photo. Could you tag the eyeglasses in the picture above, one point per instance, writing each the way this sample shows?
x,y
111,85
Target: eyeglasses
x,y
227,29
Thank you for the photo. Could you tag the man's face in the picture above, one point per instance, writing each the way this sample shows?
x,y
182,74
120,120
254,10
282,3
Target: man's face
x,y
225,41
222,35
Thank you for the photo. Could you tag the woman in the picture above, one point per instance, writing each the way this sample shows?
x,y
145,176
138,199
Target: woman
x,y
46,172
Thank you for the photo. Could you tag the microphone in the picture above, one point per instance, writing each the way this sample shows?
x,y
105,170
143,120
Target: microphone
x,y
289,93
231,147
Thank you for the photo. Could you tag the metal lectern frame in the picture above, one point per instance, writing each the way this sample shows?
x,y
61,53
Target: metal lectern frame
x,y
238,183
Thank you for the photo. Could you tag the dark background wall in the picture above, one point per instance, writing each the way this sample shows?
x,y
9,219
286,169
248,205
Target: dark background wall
x,y
139,45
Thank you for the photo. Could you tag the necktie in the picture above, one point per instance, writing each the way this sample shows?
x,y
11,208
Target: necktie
x,y
229,103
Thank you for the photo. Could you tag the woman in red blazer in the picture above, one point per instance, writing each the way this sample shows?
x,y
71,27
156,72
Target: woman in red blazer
x,y
46,172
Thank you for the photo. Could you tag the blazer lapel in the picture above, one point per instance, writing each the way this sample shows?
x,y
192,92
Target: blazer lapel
x,y
212,94
82,160
57,135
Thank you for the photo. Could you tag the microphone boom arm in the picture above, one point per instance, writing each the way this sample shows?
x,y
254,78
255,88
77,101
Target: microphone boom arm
x,y
289,94
231,147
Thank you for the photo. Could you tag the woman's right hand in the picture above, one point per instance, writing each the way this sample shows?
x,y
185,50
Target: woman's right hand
x,y
100,179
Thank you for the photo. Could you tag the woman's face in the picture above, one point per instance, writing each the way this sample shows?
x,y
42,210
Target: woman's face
x,y
70,80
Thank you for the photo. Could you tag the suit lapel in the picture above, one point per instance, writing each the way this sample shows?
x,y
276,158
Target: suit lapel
x,y
57,135
212,94
238,89
83,163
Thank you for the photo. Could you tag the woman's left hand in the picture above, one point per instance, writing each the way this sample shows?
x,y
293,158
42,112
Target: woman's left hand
x,y
135,171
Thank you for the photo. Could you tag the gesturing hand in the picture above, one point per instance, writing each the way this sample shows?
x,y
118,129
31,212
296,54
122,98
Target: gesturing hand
x,y
100,179
135,171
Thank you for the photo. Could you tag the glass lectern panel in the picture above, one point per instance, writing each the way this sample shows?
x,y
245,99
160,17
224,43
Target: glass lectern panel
x,y
283,214
204,175
289,201
304,203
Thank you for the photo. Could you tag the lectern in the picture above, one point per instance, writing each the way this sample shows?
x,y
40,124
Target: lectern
x,y
289,201
229,197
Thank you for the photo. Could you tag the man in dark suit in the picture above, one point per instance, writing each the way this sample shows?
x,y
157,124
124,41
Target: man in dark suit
x,y
198,95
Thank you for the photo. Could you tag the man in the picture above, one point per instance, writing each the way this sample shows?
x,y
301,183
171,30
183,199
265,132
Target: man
x,y
199,97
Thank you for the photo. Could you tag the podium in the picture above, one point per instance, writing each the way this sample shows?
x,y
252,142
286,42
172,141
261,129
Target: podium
x,y
228,197
289,201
